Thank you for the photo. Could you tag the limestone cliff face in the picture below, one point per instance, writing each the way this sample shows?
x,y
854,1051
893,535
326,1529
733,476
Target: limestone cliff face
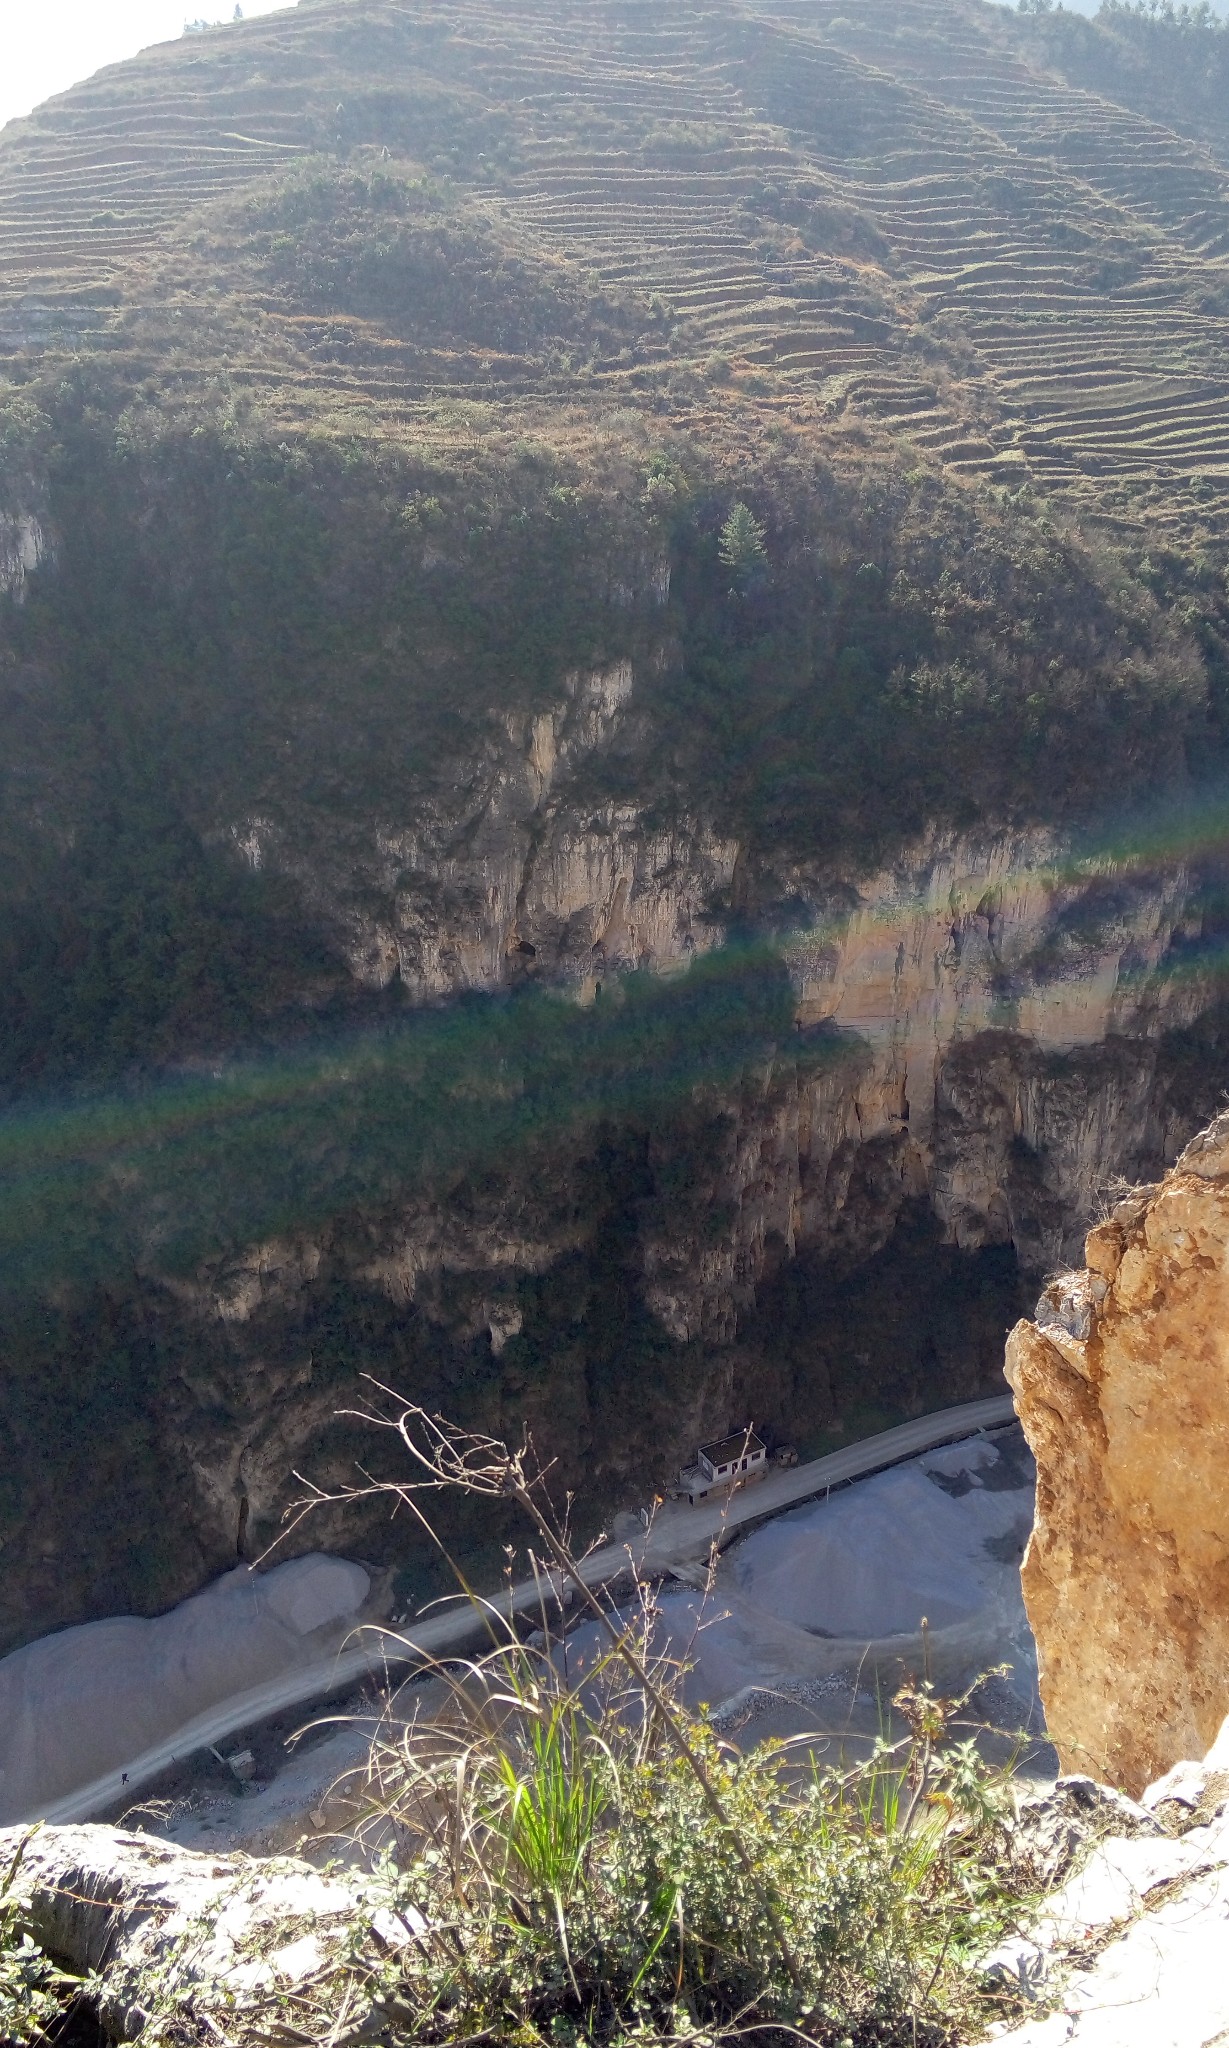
x,y
997,1044
993,1025
23,545
976,981
806,1168
1122,1384
984,978
982,1035
516,865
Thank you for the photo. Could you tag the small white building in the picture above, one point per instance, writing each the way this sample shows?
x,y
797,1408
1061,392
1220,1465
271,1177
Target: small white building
x,y
728,1462
732,1456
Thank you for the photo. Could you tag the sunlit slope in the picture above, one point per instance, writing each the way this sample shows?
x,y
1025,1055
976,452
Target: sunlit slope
x,y
880,206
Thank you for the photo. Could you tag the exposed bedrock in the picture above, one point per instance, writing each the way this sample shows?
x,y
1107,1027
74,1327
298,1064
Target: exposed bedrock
x,y
151,1919
836,1234
983,1036
517,862
1000,1004
1122,1384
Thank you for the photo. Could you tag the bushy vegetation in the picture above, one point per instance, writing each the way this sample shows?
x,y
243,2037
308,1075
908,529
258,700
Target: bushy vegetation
x,y
570,1856
37,1997
256,653
587,1880
567,1874
1169,61
410,254
599,1884
911,656
231,631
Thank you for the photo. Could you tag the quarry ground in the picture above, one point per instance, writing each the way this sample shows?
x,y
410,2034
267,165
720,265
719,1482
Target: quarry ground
x,y
254,1645
809,1622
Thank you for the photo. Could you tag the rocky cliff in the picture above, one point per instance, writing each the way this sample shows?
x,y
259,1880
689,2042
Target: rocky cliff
x,y
630,1222
1122,1384
458,925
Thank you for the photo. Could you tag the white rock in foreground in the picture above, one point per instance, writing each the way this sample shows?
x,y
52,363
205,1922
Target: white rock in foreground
x,y
1164,1981
157,1921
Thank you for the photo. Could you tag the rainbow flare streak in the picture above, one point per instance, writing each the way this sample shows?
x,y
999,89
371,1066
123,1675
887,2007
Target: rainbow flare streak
x,y
182,1168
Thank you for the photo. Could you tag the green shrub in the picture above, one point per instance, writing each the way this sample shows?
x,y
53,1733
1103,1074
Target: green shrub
x,y
590,1893
35,1994
585,1861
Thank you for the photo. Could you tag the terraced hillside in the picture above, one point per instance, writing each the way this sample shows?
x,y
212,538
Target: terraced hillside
x,y
899,213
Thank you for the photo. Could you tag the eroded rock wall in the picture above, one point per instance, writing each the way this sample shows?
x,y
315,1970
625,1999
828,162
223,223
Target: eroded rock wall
x,y
831,1236
1000,1000
23,545
1122,1384
519,864
974,1039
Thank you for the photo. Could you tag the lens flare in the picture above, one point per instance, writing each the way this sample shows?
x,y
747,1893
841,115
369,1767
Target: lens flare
x,y
178,1169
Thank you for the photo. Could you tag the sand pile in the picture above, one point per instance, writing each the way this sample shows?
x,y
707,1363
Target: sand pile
x,y
82,1702
815,1608
940,1537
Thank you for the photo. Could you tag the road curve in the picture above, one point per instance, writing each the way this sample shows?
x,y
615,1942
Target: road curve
x,y
679,1532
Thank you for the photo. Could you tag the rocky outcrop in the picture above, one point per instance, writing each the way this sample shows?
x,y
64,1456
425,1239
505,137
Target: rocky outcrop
x,y
993,1026
517,863
517,866
1129,1953
1122,1384
997,1005
164,1927
628,1284
1005,998
961,936
971,1041
23,544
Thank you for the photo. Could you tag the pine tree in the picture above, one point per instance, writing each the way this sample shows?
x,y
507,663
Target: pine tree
x,y
742,540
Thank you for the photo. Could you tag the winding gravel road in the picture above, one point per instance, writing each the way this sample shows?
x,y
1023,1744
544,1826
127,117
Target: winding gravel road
x,y
679,1533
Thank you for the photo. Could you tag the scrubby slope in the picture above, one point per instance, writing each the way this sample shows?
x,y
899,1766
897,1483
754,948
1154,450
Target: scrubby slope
x,y
903,213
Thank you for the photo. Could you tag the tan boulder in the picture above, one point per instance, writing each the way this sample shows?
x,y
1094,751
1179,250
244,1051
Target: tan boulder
x,y
1122,1385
